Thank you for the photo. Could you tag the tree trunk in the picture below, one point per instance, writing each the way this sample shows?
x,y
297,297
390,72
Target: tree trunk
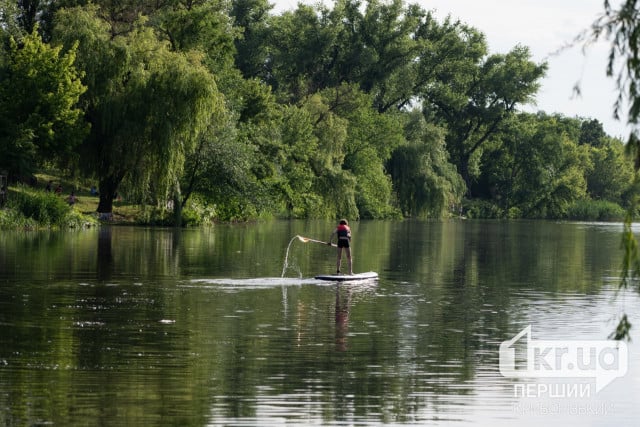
x,y
107,188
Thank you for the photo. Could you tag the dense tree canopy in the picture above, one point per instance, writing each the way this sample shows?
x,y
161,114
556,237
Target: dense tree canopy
x,y
147,110
367,109
39,116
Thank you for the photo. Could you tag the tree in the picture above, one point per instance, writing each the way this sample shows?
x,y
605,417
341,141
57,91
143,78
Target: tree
x,y
425,183
10,21
612,173
39,115
146,104
334,185
202,25
370,139
302,47
218,170
552,173
592,133
474,99
314,48
252,18
535,169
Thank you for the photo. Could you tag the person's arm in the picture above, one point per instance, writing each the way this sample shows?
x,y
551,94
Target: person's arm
x,y
331,237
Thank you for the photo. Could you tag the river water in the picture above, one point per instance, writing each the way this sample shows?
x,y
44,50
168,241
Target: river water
x,y
154,327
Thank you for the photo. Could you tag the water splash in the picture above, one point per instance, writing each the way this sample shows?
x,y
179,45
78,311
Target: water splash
x,y
286,257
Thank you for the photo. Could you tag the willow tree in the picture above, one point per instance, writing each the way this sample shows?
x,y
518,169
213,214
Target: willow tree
x,y
426,184
621,26
334,186
146,104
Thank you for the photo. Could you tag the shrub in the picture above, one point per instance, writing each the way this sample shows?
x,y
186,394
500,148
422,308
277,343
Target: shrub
x,y
11,218
44,208
27,208
198,212
595,210
481,209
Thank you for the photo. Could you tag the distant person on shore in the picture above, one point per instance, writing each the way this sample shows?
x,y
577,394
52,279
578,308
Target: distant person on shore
x,y
344,242
72,198
94,190
49,186
59,189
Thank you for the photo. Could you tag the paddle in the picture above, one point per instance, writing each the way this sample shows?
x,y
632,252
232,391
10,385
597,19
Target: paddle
x,y
308,239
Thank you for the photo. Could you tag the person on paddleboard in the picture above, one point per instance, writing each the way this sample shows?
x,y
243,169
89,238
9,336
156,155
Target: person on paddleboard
x,y
344,239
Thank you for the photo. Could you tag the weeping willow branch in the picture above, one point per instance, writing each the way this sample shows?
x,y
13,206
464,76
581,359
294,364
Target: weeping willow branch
x,y
621,26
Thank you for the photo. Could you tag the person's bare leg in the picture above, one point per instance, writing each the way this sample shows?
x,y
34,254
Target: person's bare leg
x,y
349,260
339,260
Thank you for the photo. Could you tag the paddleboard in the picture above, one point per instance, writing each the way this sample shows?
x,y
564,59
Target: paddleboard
x,y
370,275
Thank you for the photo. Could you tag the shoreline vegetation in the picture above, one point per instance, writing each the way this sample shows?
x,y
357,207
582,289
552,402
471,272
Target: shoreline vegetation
x,y
33,206
46,203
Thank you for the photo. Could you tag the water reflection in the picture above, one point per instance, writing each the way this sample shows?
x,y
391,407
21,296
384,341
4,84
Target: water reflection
x,y
104,264
342,318
130,326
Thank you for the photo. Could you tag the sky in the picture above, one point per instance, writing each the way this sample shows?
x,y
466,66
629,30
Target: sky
x,y
545,26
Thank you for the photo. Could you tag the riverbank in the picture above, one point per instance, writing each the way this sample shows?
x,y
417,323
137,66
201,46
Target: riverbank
x,y
51,202
83,211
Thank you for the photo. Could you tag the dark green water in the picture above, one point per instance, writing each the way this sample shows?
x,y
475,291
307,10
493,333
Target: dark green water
x,y
133,326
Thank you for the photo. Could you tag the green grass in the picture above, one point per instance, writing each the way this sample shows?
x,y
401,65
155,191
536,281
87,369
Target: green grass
x,y
86,203
29,208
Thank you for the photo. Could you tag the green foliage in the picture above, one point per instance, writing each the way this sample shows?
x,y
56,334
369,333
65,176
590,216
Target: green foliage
x,y
77,220
612,171
202,26
535,166
623,330
233,113
12,218
198,212
426,184
28,208
252,18
373,191
10,25
481,209
475,99
595,210
147,109
39,117
45,208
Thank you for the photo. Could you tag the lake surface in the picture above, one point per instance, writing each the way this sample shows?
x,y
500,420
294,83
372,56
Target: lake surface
x,y
154,327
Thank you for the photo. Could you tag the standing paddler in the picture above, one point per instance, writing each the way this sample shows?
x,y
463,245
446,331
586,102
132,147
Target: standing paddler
x,y
344,239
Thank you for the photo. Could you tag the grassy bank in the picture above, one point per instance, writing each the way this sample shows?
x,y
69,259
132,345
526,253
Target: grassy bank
x,y
33,206
87,203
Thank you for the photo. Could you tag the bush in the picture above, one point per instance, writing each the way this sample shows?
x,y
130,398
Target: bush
x,y
481,209
75,219
10,218
27,208
595,210
198,212
44,208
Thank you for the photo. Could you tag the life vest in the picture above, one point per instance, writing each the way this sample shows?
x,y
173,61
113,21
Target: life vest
x,y
344,232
